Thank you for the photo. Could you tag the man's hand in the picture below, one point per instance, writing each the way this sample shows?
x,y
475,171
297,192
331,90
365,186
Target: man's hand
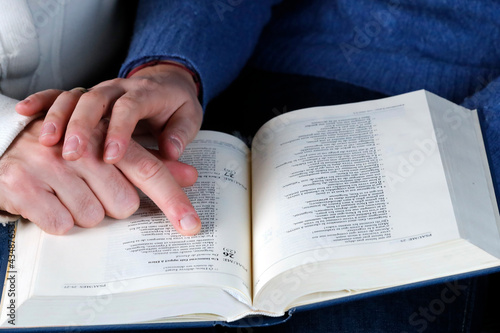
x,y
164,95
37,183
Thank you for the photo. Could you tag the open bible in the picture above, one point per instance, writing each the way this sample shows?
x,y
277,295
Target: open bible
x,y
329,202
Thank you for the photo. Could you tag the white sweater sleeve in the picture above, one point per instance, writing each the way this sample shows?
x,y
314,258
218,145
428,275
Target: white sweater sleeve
x,y
11,123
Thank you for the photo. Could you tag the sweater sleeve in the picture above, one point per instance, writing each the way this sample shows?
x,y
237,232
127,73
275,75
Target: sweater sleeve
x,y
212,38
487,103
11,123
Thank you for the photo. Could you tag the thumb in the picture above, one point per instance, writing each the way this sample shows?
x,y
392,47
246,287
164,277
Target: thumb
x,y
180,130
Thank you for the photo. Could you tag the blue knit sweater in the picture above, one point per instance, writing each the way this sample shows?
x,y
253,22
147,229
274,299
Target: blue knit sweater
x,y
449,47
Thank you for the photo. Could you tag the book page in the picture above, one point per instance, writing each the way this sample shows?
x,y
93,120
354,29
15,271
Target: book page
x,y
347,181
22,253
144,251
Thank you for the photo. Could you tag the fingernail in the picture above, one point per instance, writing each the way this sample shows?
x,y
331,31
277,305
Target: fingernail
x,y
71,145
112,150
189,222
48,129
177,144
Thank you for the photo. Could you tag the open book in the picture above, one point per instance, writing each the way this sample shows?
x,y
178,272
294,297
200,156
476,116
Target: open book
x,y
330,202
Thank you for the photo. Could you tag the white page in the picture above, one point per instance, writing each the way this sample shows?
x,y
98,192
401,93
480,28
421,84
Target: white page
x,y
22,253
392,196
143,252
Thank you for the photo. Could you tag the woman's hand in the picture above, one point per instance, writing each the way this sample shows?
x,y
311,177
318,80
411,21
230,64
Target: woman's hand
x,y
37,183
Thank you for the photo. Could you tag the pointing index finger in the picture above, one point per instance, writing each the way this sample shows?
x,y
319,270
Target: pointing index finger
x,y
151,175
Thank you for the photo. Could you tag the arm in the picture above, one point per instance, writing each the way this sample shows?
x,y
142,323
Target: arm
x,y
212,38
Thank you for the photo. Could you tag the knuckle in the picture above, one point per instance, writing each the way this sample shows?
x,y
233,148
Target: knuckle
x,y
123,197
59,170
198,109
113,82
125,103
173,202
129,199
191,102
127,204
93,96
55,116
91,213
180,133
108,83
147,84
76,124
8,208
42,95
148,168
57,225
128,210
49,91
195,105
12,175
51,221
68,94
184,95
8,203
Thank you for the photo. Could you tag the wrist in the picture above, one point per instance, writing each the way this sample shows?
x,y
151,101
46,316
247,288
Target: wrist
x,y
139,70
